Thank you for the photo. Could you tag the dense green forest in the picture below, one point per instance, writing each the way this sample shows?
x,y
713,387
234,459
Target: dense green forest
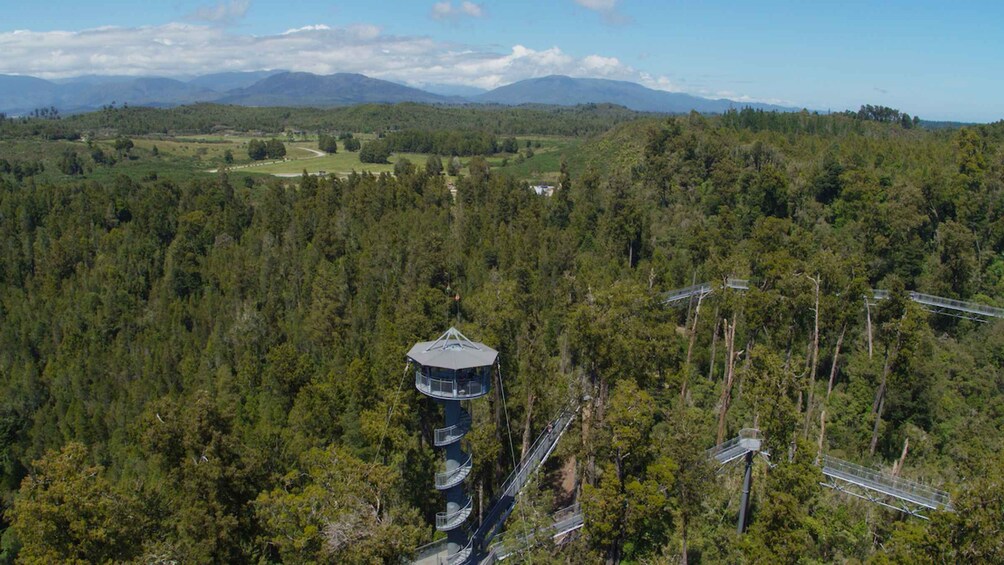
x,y
587,119
203,370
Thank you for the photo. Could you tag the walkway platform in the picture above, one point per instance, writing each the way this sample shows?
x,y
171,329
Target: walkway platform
x,y
749,439
882,488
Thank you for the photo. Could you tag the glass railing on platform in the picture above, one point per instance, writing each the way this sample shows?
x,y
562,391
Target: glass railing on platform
x,y
452,388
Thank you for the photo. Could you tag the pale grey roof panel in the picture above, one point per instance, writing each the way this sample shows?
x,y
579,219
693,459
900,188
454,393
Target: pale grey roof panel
x,y
452,351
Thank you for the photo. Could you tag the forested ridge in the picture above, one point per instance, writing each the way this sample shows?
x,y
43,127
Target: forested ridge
x,y
586,119
206,370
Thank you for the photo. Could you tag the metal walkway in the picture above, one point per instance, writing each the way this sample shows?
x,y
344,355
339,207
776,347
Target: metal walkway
x,y
935,304
702,289
881,488
749,439
435,553
535,457
566,521
948,306
893,492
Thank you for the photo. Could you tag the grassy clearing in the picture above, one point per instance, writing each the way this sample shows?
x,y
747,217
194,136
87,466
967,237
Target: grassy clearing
x,y
545,165
186,157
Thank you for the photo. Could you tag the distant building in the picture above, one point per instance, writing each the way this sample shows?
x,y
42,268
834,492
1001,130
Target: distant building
x,y
543,189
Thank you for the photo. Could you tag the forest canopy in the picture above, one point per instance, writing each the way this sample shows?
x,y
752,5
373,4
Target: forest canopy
x,y
209,369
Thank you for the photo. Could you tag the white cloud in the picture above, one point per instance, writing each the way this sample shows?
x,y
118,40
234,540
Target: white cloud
x,y
223,12
598,5
185,49
606,8
319,27
446,10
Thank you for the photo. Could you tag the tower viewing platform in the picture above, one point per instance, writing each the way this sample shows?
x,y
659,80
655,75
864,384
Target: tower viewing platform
x,y
452,369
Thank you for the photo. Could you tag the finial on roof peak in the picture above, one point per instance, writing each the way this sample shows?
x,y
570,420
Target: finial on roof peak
x,y
453,339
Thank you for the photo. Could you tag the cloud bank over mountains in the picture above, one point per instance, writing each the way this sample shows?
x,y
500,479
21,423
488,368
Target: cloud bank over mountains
x,y
190,49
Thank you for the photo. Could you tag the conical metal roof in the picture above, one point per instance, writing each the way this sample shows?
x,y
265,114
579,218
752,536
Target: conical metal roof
x,y
453,350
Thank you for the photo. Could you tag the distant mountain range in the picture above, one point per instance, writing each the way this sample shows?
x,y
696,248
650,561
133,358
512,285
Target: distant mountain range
x,y
564,91
22,94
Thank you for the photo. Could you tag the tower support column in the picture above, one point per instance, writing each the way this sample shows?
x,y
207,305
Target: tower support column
x,y
745,500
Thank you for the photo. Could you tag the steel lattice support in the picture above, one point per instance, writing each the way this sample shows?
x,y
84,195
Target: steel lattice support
x,y
890,502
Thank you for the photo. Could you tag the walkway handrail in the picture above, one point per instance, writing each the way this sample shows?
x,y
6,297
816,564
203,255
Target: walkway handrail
x,y
450,520
538,452
451,434
960,305
885,483
451,388
702,289
930,300
687,292
749,439
451,477
566,520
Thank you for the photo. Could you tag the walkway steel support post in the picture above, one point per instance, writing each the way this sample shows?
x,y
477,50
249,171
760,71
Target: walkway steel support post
x,y
744,501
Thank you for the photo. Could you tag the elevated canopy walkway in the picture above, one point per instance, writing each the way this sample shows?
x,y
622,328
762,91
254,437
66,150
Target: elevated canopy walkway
x,y
436,552
535,457
900,494
875,486
934,304
748,440
948,306
702,289
566,521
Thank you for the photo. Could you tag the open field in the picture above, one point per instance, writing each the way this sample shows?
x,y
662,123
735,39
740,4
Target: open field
x,y
191,156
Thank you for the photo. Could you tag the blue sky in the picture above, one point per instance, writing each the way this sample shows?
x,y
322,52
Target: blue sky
x,y
940,60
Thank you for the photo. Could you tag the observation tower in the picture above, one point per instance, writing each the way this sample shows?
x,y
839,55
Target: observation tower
x,y
451,369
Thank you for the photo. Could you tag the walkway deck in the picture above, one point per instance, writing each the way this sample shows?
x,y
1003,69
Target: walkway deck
x,y
882,488
749,439
930,302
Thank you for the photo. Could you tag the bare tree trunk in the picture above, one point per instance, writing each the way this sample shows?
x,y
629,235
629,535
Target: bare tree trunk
x,y
875,428
690,345
683,556
836,355
714,344
815,358
530,399
589,463
690,303
880,392
730,345
822,436
868,325
879,405
898,466
746,364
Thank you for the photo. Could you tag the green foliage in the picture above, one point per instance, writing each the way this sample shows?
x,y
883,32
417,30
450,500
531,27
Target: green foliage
x,y
67,512
257,149
434,165
352,144
275,149
230,350
69,163
451,142
339,508
327,143
375,152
